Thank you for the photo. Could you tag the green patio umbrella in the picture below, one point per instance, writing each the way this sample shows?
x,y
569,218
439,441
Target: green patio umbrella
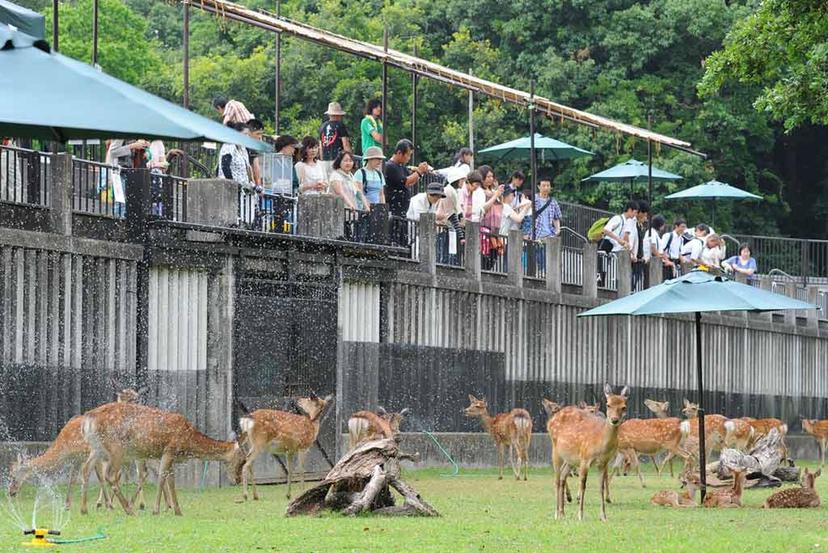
x,y
47,95
713,190
26,20
548,149
632,171
698,292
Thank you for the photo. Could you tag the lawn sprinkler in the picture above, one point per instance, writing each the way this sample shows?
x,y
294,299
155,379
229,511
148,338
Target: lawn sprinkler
x,y
39,539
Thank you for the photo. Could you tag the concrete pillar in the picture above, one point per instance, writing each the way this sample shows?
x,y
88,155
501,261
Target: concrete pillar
x,y
590,270
137,204
739,277
61,194
321,216
686,268
656,268
813,314
765,283
472,252
790,314
427,243
554,259
514,258
624,273
213,202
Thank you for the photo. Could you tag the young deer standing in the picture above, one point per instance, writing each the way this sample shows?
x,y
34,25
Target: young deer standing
x,y
819,430
661,410
714,428
584,441
282,432
365,425
727,498
119,431
796,498
513,429
69,448
738,434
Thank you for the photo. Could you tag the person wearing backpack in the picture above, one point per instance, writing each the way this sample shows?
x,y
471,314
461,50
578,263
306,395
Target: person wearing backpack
x,y
617,237
691,252
671,244
639,259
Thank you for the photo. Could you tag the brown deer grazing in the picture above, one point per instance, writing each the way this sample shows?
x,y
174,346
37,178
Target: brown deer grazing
x,y
583,440
670,498
119,431
819,430
512,429
365,425
738,434
796,498
714,429
69,448
651,437
282,432
761,428
727,498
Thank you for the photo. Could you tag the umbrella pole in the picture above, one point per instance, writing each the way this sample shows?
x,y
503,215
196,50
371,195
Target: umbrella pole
x,y
702,460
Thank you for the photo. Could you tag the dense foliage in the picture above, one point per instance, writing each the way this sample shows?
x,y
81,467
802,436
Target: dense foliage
x,y
619,58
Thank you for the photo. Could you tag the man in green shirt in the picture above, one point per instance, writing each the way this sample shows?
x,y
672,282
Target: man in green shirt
x,y
371,126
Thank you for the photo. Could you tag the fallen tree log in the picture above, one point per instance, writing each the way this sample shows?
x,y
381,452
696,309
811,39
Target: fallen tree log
x,y
762,464
362,481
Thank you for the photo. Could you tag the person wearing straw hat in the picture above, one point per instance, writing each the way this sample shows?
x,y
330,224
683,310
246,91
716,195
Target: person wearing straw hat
x,y
333,136
371,177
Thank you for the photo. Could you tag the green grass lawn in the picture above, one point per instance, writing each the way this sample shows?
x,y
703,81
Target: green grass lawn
x,y
479,513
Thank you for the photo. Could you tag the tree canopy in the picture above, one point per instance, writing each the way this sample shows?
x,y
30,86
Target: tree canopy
x,y
623,59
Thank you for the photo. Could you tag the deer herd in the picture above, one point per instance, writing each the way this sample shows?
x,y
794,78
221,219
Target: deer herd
x,y
106,439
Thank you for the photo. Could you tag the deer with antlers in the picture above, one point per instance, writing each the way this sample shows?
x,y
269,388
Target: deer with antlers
x,y
282,432
365,425
796,498
512,429
819,430
69,448
714,428
584,440
119,431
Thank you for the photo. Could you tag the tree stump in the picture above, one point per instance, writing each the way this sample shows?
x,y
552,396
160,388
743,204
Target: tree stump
x,y
762,464
362,481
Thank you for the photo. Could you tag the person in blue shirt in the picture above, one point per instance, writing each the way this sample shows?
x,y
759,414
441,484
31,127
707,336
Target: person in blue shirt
x,y
742,263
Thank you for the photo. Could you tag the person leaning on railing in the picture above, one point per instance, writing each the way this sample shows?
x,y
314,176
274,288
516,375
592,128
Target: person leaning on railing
x,y
345,186
742,263
449,215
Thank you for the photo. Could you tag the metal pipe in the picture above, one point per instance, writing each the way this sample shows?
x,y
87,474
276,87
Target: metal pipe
x,y
414,79
94,32
384,87
471,118
702,460
532,155
55,25
278,78
185,44
650,164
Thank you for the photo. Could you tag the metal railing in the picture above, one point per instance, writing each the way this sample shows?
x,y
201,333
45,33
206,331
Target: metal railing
x,y
580,217
493,251
98,189
168,197
24,176
572,257
277,214
800,257
607,271
428,178
534,259
450,247
404,233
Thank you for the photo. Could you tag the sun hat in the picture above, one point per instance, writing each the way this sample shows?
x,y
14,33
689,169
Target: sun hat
x,y
334,109
374,152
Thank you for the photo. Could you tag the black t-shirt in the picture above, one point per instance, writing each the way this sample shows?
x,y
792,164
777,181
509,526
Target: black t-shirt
x,y
330,138
397,194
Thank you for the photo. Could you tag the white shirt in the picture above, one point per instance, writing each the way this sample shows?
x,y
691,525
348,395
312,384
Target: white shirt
x,y
310,173
419,204
619,225
651,238
633,239
712,257
674,241
506,222
478,201
693,249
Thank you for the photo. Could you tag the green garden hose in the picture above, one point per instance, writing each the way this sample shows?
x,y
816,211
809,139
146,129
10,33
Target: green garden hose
x,y
456,470
60,541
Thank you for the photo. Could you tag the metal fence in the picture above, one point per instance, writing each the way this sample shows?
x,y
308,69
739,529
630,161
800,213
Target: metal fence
x,y
803,258
24,176
579,217
98,189
493,251
451,247
572,256
607,271
168,197
534,259
404,233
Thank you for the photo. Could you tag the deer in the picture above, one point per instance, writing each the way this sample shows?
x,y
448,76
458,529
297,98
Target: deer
x,y
714,429
651,437
512,429
796,498
282,432
365,425
761,428
68,448
727,498
690,481
819,430
738,434
582,440
119,431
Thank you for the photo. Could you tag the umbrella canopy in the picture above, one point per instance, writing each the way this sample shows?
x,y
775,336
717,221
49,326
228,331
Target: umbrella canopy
x,y
29,22
47,95
713,190
548,149
632,170
698,292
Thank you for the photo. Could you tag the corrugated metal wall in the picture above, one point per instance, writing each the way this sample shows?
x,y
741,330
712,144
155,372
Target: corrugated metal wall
x,y
358,314
545,342
177,319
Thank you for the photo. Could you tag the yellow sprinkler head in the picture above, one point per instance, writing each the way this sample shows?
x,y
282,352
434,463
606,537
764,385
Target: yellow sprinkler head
x,y
39,539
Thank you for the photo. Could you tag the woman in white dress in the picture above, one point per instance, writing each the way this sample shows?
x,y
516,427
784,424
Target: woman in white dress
x,y
345,186
311,173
